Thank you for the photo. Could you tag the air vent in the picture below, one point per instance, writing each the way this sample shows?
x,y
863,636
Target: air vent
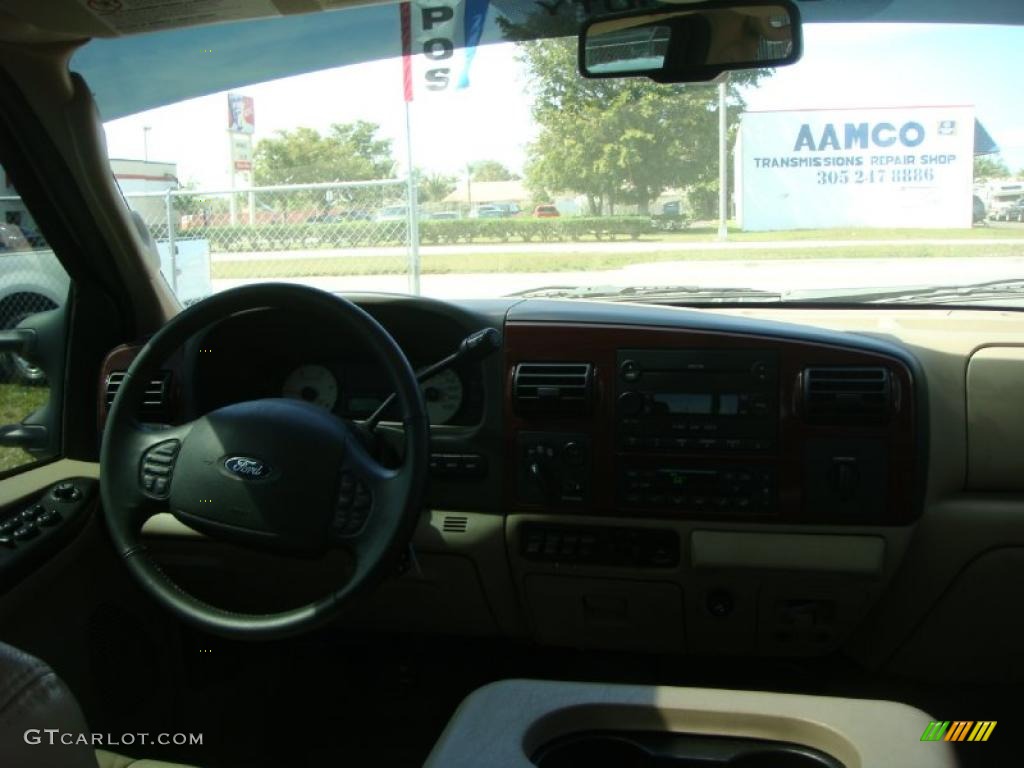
x,y
553,388
455,524
847,394
154,403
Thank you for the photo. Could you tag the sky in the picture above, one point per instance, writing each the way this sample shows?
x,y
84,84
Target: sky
x,y
898,65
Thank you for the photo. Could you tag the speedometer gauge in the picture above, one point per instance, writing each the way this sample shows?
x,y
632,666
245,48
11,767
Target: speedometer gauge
x,y
443,394
314,384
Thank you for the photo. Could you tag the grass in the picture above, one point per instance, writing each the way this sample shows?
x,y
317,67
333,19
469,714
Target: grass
x,y
17,402
705,231
462,263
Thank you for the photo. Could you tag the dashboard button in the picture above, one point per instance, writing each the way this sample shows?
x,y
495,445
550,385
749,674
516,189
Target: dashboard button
x,y
630,370
26,532
473,464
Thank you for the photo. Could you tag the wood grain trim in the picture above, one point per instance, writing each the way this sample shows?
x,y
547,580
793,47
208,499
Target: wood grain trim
x,y
598,344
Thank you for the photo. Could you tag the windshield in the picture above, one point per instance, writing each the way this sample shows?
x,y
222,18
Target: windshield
x,y
885,166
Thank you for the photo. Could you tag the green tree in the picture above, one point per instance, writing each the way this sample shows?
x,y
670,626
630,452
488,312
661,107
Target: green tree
x,y
491,170
621,139
435,187
348,152
990,167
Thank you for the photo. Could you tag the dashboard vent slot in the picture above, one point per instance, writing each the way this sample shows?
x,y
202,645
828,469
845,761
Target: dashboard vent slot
x,y
155,400
553,388
455,524
847,394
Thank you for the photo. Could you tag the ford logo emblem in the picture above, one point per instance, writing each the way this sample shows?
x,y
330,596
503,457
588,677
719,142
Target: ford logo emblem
x,y
247,468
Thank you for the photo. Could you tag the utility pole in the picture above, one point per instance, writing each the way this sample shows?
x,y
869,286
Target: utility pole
x,y
145,142
723,164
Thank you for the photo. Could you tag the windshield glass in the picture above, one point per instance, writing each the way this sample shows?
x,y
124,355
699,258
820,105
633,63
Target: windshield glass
x,y
885,166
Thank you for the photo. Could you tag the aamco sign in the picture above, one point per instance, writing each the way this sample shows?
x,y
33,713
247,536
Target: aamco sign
x,y
901,167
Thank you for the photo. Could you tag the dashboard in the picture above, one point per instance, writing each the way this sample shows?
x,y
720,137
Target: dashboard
x,y
615,476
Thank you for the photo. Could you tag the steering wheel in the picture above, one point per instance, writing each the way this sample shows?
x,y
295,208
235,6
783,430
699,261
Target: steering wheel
x,y
275,474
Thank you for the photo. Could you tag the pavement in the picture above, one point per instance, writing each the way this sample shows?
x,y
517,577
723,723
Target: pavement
x,y
770,275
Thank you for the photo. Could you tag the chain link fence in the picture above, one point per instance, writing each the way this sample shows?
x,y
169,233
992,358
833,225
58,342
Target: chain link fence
x,y
210,240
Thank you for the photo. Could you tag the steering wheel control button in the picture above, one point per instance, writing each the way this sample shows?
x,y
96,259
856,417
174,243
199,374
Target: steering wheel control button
x,y
353,506
26,532
66,492
157,467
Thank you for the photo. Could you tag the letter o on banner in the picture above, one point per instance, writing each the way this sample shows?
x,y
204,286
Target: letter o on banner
x,y
438,49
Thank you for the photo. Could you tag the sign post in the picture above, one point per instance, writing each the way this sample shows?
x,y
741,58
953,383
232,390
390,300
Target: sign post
x,y
241,124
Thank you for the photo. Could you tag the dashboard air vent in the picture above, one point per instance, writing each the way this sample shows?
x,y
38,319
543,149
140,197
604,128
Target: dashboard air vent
x,y
847,394
553,388
455,524
155,400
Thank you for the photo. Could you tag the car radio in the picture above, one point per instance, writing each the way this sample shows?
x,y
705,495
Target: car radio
x,y
697,400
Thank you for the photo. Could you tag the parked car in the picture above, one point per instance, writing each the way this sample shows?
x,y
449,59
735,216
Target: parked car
x,y
1004,210
13,239
1014,211
979,212
445,215
489,212
392,213
546,212
339,216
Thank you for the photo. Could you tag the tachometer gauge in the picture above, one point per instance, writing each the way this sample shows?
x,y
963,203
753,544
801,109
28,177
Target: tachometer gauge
x,y
314,384
443,394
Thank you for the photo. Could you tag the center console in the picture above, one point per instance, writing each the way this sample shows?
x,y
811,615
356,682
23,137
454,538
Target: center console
x,y
681,489
548,724
665,423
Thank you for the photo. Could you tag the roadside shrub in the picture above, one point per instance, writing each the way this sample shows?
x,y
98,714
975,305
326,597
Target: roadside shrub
x,y
350,234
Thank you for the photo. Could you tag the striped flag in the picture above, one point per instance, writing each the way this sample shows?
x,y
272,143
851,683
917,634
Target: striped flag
x,y
439,40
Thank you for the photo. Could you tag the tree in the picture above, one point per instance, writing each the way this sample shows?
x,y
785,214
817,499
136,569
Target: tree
x,y
435,187
990,167
348,152
621,139
491,170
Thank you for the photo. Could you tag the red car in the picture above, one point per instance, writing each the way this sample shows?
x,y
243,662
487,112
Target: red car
x,y
546,212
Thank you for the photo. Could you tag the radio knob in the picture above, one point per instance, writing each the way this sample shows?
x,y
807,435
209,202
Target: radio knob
x,y
630,370
631,403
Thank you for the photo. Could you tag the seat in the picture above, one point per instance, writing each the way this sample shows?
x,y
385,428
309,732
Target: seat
x,y
35,706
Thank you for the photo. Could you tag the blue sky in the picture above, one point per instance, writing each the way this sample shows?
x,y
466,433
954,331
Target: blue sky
x,y
897,65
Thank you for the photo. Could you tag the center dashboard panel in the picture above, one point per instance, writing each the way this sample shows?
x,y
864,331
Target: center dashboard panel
x,y
654,422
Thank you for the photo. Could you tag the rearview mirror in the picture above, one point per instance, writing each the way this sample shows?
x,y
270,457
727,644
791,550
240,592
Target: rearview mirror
x,y
695,44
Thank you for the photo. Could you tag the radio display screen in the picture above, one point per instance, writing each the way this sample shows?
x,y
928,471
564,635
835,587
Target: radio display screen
x,y
685,402
697,403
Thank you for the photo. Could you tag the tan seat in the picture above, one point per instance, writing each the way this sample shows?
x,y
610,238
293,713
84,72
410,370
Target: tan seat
x,y
111,760
34,700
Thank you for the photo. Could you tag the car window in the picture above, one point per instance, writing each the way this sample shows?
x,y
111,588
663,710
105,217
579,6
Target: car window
x,y
32,283
836,183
